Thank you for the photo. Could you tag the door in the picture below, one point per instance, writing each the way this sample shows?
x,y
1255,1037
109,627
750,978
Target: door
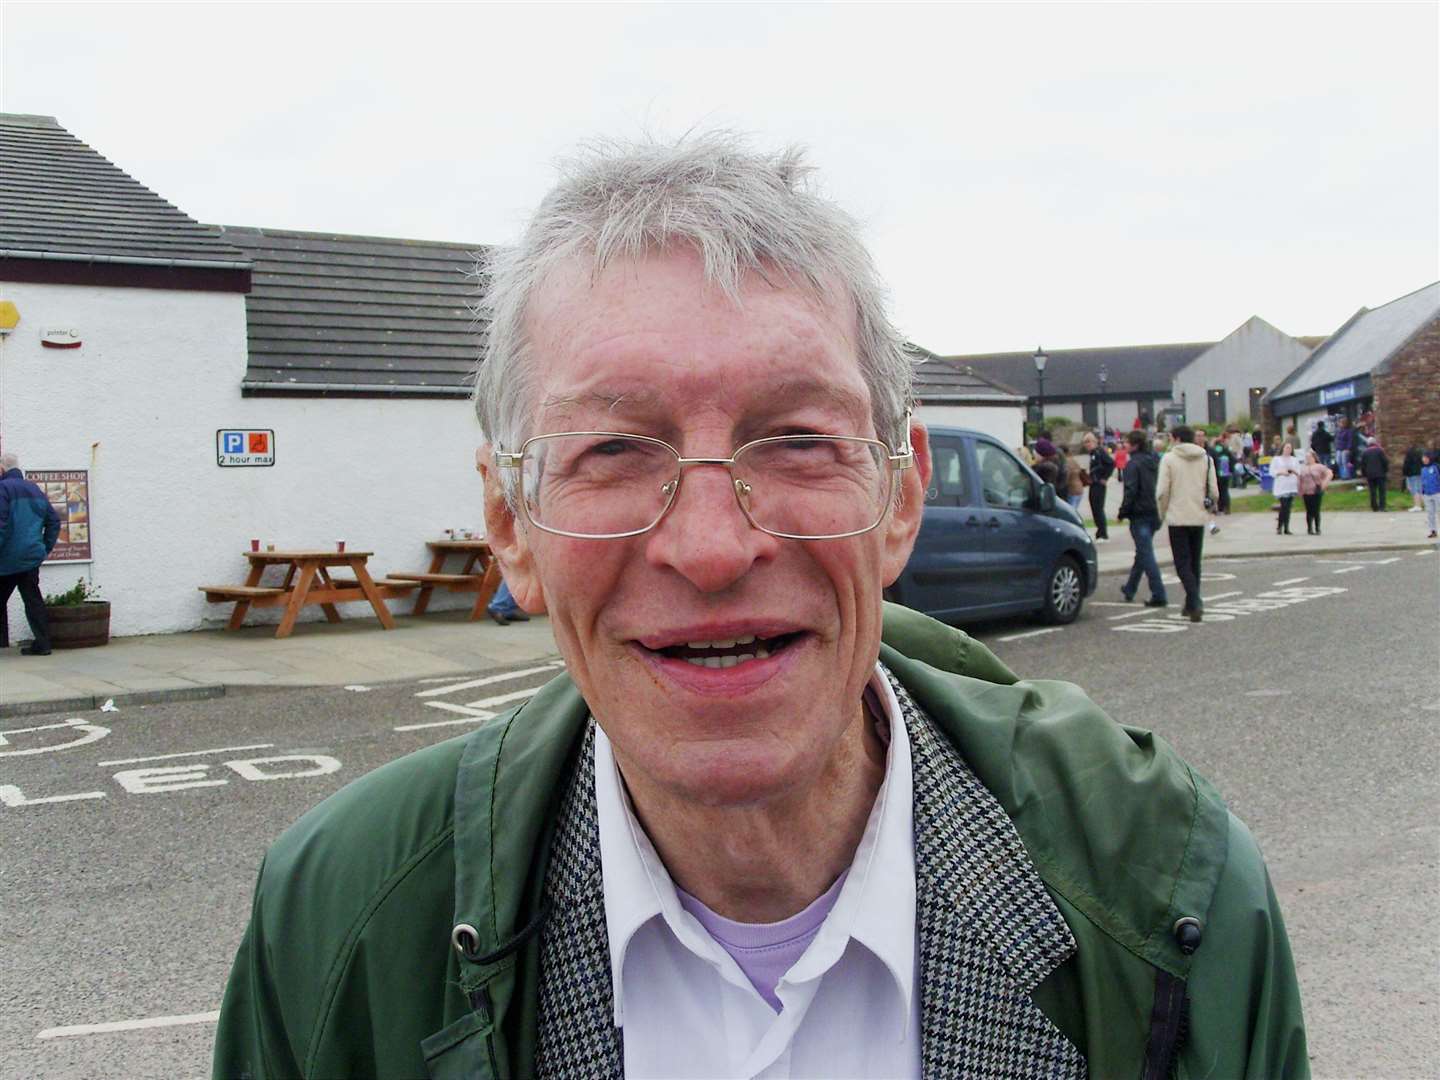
x,y
947,574
1020,542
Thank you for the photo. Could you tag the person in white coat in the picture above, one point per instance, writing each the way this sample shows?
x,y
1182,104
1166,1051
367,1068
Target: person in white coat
x,y
1186,493
1285,471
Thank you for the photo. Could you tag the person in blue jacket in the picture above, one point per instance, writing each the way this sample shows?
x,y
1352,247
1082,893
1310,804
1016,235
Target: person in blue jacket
x,y
29,528
1430,488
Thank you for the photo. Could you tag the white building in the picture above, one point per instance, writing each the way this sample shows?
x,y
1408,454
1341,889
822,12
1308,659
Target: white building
x,y
955,396
1233,375
143,334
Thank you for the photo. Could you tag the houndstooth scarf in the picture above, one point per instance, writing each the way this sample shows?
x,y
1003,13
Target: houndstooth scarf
x,y
988,931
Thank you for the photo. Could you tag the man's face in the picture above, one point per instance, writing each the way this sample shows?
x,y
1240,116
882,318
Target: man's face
x,y
647,348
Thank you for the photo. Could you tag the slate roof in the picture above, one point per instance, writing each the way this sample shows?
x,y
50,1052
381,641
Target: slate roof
x,y
59,196
938,380
1366,341
360,314
1135,371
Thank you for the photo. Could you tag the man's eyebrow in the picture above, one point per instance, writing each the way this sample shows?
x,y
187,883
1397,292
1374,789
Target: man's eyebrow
x,y
641,400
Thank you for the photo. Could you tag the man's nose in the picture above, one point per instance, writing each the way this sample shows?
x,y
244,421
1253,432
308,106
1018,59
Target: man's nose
x,y
705,537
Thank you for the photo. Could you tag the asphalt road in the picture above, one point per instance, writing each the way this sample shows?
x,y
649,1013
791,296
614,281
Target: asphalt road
x,y
1310,696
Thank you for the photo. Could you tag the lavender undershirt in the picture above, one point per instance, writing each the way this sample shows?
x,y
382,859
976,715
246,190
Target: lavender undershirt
x,y
765,951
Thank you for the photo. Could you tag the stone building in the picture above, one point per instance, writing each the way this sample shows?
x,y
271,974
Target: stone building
x,y
1383,362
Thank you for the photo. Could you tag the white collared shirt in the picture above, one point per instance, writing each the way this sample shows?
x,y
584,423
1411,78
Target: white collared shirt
x,y
850,1003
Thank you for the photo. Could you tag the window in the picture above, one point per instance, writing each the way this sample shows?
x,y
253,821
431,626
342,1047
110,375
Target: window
x,y
1003,479
1256,393
1090,413
1215,406
947,483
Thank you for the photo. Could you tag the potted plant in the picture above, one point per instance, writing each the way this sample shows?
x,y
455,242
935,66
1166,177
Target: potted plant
x,y
78,619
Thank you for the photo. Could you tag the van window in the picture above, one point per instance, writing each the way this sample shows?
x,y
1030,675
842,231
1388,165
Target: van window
x,y
949,473
1002,479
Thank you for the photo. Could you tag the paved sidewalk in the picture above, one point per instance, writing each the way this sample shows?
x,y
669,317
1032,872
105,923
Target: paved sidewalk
x,y
211,663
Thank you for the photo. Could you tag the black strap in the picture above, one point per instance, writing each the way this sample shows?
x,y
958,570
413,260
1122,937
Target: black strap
x,y
1169,1025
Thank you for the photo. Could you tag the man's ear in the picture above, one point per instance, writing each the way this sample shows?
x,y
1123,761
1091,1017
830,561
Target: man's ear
x,y
509,538
903,524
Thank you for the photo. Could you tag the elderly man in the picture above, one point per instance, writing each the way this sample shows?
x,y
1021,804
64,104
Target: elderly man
x,y
29,529
765,825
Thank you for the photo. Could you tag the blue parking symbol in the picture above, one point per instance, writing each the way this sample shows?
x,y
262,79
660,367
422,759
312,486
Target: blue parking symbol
x,y
234,442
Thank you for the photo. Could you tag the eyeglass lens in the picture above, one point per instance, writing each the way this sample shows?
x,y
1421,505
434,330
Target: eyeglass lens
x,y
599,485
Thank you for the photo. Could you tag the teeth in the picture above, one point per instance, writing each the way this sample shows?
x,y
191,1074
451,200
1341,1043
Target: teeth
x,y
718,662
745,640
761,653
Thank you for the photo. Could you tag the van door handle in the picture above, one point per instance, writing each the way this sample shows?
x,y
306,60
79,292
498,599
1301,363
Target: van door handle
x,y
993,523
972,520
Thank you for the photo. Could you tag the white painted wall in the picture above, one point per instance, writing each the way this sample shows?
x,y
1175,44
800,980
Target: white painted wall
x,y
138,405
1254,354
1004,422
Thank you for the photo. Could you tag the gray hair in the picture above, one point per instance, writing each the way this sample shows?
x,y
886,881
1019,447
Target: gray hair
x,y
8,462
742,211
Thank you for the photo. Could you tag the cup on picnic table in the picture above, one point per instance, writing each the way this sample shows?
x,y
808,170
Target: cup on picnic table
x,y
255,545
339,545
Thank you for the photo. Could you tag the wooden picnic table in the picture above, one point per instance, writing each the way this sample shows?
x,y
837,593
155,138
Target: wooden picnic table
x,y
480,573
307,581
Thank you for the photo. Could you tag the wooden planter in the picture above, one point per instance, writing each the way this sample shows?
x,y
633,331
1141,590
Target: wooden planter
x,y
79,626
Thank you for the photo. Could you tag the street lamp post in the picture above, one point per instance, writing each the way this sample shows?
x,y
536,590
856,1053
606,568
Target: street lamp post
x,y
1040,361
1104,378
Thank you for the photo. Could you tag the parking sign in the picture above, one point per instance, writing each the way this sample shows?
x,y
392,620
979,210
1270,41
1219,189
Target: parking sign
x,y
244,447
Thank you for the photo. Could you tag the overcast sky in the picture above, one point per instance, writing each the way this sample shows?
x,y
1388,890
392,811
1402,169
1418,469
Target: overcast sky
x,y
1072,175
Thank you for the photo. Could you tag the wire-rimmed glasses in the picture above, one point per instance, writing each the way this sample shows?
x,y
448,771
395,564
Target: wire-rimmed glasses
x,y
608,485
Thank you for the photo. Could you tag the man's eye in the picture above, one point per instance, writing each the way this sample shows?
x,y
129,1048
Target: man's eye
x,y
612,447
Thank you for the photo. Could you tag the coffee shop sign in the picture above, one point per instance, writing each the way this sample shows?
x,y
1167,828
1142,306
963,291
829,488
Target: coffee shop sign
x,y
244,447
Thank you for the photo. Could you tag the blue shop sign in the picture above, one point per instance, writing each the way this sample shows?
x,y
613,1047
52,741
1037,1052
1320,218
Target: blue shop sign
x,y
1345,391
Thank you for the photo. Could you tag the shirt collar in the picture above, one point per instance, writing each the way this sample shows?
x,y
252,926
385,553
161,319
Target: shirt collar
x,y
876,905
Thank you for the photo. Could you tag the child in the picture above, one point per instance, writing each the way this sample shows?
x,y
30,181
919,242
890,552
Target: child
x,y
1430,488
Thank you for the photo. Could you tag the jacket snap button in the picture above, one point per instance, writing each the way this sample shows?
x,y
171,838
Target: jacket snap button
x,y
1187,933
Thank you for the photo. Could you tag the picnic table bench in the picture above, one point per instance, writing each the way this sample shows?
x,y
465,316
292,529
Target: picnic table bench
x,y
480,574
308,581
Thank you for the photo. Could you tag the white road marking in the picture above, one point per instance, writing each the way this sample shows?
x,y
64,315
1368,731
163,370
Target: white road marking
x,y
1030,633
1427,551
188,753
1347,569
1360,562
1291,581
1128,614
129,1025
503,699
465,710
11,795
91,733
471,683
473,719
1111,603
1222,596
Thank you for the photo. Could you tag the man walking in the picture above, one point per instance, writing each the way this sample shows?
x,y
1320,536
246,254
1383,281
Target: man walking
x,y
1102,465
29,528
1344,449
1375,467
1139,507
1185,494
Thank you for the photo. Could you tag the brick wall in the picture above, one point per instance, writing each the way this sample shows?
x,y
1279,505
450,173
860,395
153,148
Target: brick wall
x,y
1407,399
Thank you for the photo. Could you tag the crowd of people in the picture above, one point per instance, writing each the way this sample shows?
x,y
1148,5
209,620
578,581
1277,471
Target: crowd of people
x,y
1183,479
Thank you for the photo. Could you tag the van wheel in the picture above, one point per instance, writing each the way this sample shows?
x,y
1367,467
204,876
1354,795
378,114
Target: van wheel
x,y
1064,593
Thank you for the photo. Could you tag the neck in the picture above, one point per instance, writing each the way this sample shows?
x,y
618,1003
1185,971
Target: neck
x,y
763,863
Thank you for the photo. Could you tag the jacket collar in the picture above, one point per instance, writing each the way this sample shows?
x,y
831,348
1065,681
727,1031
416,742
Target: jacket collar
x,y
988,931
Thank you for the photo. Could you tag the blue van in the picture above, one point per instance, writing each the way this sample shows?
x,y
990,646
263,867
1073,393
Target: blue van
x,y
995,540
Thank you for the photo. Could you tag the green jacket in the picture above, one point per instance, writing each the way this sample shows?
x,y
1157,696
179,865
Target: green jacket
x,y
347,967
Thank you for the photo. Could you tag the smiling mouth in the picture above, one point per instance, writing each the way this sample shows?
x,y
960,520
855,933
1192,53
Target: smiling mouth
x,y
729,653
